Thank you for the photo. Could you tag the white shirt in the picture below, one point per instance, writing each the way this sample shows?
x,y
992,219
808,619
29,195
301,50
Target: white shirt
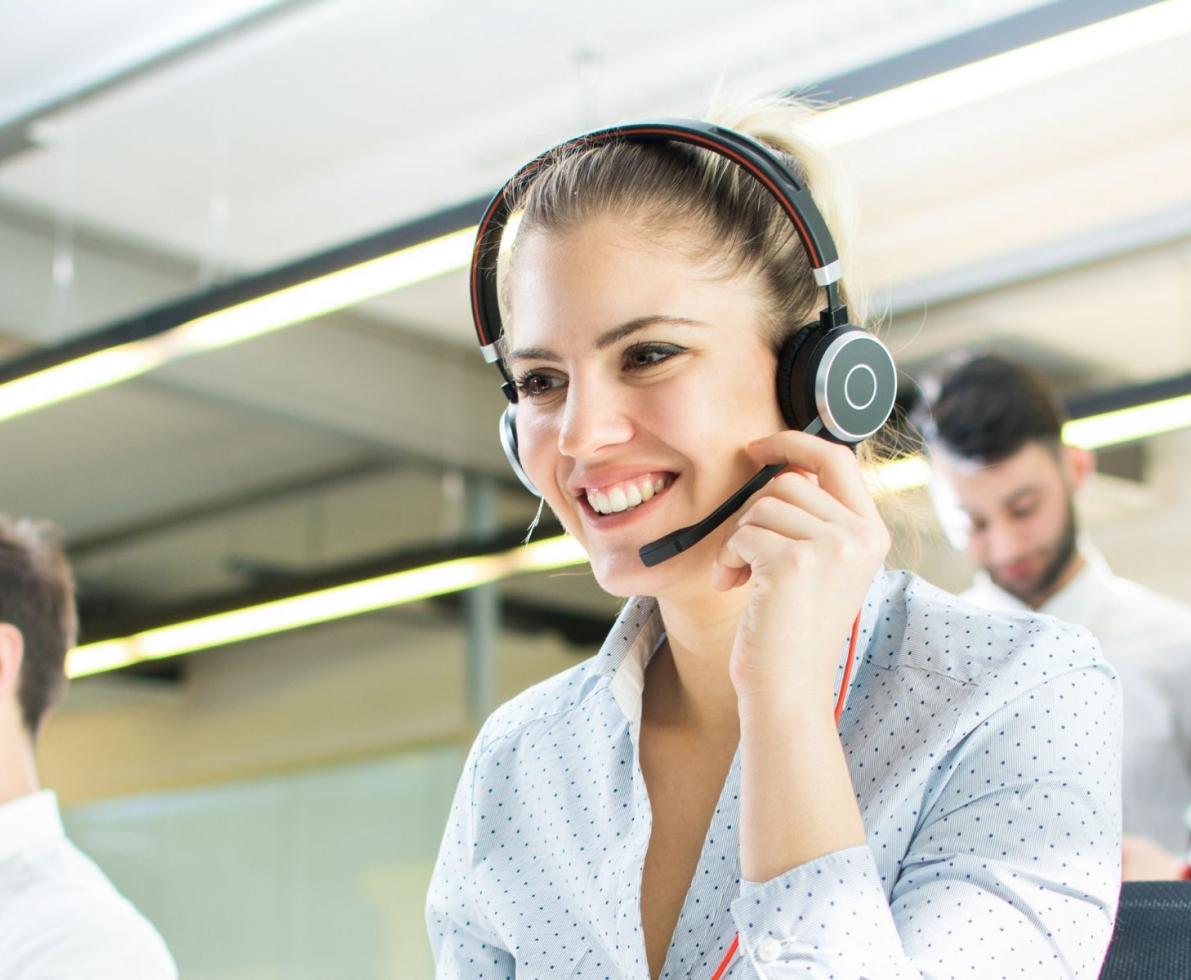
x,y
983,749
1147,638
60,917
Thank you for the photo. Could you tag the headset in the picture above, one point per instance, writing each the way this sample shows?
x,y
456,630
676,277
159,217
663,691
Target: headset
x,y
834,379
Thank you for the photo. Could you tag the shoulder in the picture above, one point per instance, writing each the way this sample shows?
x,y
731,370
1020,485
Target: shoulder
x,y
1143,605
67,919
547,702
956,668
921,627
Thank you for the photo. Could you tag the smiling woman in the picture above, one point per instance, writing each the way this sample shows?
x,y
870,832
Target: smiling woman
x,y
692,783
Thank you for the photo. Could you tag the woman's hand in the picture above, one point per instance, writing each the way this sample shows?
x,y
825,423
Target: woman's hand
x,y
809,543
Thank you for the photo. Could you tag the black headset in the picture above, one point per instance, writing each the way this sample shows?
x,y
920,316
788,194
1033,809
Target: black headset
x,y
833,379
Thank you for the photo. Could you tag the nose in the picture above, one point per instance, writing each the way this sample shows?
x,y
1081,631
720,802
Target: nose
x,y
1003,543
593,418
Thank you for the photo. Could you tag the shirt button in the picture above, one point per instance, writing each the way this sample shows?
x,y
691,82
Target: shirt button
x,y
768,950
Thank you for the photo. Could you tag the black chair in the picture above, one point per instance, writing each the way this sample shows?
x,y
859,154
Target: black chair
x,y
1152,939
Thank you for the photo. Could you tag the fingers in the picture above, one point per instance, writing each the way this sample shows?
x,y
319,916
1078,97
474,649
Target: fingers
x,y
801,489
796,520
765,538
834,465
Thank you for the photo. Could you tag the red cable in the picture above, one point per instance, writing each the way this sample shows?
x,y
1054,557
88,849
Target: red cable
x,y
727,958
843,688
839,710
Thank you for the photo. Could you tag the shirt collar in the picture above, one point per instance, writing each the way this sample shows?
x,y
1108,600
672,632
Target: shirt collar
x,y
633,639
28,821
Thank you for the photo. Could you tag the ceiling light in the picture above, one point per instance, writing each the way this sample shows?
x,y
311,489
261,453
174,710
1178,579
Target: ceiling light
x,y
1015,69
1129,424
321,606
232,324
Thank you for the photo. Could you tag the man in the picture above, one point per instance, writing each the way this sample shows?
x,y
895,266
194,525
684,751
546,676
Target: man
x,y
1004,486
59,914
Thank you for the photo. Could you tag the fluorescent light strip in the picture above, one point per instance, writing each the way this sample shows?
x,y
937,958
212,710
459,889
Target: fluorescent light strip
x,y
252,318
1027,65
322,606
1129,424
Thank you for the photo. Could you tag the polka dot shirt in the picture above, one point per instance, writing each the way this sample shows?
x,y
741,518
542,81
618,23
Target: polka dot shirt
x,y
984,749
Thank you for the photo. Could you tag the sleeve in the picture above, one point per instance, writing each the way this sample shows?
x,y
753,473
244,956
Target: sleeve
x,y
1013,869
93,937
464,942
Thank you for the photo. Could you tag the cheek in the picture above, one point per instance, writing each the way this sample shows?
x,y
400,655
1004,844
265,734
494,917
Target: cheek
x,y
977,547
537,447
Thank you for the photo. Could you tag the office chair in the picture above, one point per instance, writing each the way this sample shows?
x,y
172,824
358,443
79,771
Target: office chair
x,y
1152,938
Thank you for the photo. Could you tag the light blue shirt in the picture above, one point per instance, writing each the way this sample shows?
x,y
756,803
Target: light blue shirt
x,y
985,753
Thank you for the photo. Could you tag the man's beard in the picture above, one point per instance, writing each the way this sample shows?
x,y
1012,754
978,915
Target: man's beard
x,y
1063,553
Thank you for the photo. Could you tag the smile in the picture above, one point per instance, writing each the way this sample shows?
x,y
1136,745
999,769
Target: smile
x,y
628,494
615,503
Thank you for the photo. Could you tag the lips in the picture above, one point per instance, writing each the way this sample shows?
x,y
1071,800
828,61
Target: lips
x,y
1018,570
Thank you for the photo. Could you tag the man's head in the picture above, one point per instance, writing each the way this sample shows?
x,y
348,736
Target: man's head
x,y
38,622
1003,480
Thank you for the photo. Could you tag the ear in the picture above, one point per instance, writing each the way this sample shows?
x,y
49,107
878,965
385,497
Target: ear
x,y
1079,464
12,653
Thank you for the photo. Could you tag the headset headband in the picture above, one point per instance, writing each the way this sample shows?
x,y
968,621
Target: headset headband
x,y
790,193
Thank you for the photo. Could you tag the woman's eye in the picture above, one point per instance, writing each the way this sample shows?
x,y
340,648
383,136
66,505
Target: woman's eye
x,y
647,355
534,385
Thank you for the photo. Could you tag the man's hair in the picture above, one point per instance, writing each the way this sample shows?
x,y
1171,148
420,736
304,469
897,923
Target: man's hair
x,y
988,407
37,597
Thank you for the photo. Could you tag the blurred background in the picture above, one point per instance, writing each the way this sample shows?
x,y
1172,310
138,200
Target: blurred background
x,y
271,791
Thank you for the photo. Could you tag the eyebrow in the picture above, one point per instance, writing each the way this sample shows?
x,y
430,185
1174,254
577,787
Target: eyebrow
x,y
1017,495
1009,501
606,339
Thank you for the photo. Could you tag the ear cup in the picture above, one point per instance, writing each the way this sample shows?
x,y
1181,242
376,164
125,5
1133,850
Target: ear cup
x,y
845,377
508,442
854,383
791,389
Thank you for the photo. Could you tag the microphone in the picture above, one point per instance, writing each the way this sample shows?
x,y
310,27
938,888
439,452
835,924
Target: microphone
x,y
676,542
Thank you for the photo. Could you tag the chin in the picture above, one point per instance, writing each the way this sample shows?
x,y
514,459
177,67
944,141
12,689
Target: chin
x,y
623,574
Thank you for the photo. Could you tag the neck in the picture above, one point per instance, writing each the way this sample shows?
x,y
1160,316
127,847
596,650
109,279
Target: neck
x,y
18,773
1074,567
689,676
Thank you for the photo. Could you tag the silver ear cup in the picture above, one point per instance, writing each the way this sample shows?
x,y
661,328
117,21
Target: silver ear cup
x,y
508,442
855,385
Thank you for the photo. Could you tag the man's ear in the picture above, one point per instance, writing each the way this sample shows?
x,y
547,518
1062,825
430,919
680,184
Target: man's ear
x,y
1079,464
12,652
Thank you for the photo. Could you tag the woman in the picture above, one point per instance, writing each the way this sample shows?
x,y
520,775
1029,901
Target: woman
x,y
634,815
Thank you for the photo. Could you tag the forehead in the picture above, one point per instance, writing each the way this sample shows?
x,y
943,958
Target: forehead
x,y
567,287
984,487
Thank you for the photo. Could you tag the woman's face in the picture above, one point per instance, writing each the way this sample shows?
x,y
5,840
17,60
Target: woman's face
x,y
642,377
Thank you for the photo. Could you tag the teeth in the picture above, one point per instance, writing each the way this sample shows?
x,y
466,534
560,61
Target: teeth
x,y
625,497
